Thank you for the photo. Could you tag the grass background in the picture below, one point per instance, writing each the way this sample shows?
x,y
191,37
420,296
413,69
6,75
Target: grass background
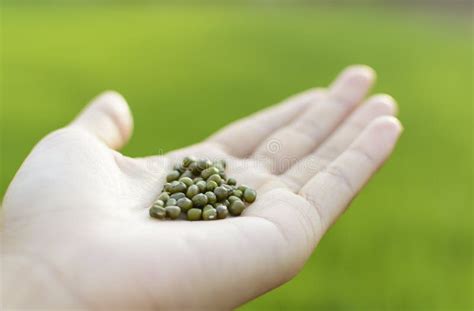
x,y
406,242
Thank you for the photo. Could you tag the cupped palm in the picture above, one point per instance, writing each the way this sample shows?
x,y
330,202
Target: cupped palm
x,y
80,208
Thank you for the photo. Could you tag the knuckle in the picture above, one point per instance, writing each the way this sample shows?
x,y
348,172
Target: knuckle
x,y
363,154
338,173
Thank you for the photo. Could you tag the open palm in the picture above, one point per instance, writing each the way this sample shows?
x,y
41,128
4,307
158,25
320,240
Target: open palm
x,y
76,217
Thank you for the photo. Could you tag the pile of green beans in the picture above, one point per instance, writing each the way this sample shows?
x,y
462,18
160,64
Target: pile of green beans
x,y
198,189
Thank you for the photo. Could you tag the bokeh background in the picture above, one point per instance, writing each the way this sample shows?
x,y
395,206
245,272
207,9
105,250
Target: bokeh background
x,y
188,69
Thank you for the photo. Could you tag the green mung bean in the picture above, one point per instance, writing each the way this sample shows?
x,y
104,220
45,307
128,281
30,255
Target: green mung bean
x,y
192,191
157,212
194,168
164,196
249,195
211,185
231,181
236,208
237,193
209,214
167,187
221,193
185,204
171,202
199,200
174,175
222,211
211,197
188,160
194,214
173,211
179,187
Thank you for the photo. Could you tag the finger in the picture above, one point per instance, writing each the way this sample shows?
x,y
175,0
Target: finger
x,y
243,136
302,171
108,117
331,190
292,142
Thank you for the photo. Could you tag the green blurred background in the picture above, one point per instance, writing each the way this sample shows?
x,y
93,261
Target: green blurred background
x,y
407,241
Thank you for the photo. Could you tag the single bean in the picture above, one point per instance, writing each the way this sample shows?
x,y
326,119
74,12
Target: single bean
x,y
211,197
188,160
237,193
173,211
211,185
194,214
236,208
171,202
164,196
249,195
179,187
192,191
199,200
221,193
209,214
222,211
185,204
174,175
157,212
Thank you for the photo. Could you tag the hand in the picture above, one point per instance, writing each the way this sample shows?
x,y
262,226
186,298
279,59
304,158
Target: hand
x,y
77,231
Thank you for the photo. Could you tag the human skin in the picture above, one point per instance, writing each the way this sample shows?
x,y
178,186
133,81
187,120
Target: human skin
x,y
76,229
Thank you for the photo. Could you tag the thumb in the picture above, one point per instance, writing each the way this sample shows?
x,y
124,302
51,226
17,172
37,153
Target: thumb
x,y
107,117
